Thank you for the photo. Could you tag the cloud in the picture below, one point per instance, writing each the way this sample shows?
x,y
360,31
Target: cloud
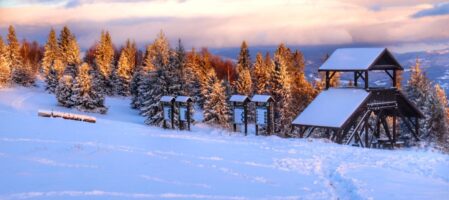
x,y
436,10
216,23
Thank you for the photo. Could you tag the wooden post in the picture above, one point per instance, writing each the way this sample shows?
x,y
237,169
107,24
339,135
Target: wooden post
x,y
172,116
356,78
179,116
269,119
366,80
366,132
188,116
164,122
327,80
394,128
394,78
245,113
233,120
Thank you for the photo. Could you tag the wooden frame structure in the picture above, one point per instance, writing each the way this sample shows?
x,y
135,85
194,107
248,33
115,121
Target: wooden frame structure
x,y
374,122
264,102
184,103
240,103
168,105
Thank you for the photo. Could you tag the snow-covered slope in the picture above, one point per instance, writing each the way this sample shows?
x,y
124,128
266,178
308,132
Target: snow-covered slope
x,y
120,158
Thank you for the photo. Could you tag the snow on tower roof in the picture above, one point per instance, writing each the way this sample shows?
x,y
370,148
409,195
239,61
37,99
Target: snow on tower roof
x,y
332,107
261,98
239,98
167,99
183,99
358,59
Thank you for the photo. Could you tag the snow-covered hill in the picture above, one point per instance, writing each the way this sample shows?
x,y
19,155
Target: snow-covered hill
x,y
120,158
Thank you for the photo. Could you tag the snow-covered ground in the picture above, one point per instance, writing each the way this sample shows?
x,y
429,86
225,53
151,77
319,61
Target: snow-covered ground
x,y
120,158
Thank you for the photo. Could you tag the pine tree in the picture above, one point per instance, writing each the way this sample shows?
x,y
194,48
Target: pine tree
x,y
191,80
261,75
439,118
243,84
123,75
5,70
419,91
24,74
281,93
85,95
302,91
69,50
51,52
216,108
13,49
104,58
20,72
165,83
53,75
64,91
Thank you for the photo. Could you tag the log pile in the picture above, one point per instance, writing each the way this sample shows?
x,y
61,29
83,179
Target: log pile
x,y
70,116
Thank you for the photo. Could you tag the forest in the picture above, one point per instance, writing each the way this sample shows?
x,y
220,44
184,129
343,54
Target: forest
x,y
161,69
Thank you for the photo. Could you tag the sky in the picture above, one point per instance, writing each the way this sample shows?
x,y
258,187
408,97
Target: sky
x,y
402,25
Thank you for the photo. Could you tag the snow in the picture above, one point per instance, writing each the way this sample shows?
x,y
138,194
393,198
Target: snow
x,y
167,99
183,99
332,107
260,98
352,59
121,158
238,98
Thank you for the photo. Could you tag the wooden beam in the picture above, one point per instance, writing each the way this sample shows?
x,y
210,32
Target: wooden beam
x,y
366,80
327,80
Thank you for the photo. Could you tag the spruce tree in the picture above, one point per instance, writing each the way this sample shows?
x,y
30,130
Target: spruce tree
x,y
51,52
69,51
281,93
85,95
123,75
64,91
18,70
216,108
5,70
167,82
24,74
53,75
104,60
261,76
243,84
302,91
439,118
13,49
419,91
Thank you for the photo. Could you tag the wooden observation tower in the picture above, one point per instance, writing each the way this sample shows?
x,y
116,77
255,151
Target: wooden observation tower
x,y
360,115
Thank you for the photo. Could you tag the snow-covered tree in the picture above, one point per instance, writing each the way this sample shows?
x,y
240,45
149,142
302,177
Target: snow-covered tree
x,y
216,108
5,70
419,91
51,52
123,75
69,50
167,82
302,91
53,75
21,73
281,93
13,49
104,60
85,95
261,75
64,91
439,118
243,84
